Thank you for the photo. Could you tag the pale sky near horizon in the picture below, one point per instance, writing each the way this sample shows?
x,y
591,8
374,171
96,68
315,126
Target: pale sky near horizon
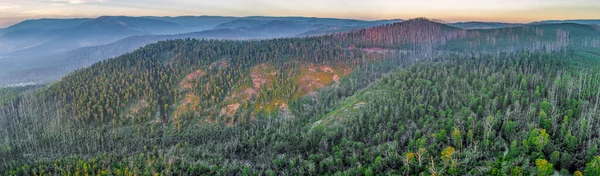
x,y
13,11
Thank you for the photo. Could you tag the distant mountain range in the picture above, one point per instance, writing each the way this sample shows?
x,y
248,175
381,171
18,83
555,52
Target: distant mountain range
x,y
586,21
50,36
494,25
50,48
46,49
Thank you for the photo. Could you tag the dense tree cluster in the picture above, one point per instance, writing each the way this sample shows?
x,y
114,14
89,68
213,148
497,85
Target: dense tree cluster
x,y
11,94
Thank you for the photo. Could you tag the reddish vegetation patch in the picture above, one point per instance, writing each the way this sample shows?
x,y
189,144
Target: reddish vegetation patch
x,y
259,80
230,110
310,78
194,75
186,83
336,78
248,93
242,95
314,77
190,103
261,75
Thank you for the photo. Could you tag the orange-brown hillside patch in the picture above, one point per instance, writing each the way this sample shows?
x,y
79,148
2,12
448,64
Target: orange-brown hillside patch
x,y
190,103
186,83
230,110
262,75
313,77
242,95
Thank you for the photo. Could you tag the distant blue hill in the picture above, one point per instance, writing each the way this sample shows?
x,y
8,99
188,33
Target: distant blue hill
x,y
53,36
57,46
496,25
576,21
45,24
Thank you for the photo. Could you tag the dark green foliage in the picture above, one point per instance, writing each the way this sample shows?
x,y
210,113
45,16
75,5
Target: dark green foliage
x,y
11,94
593,167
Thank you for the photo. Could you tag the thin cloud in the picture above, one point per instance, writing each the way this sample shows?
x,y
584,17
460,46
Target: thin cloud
x,y
77,1
47,12
8,6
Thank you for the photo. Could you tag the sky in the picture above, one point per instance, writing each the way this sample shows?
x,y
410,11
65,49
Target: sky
x,y
14,11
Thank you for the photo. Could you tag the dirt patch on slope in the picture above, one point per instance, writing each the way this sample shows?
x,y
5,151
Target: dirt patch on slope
x,y
190,103
314,77
243,95
230,110
262,75
186,83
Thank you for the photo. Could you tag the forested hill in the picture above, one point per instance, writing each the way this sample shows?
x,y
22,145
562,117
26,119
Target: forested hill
x,y
410,98
421,33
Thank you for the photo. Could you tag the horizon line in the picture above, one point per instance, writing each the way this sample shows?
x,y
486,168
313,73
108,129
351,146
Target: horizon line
x,y
20,20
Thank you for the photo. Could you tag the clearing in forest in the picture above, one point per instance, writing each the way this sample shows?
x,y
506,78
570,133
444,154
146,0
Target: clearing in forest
x,y
186,83
313,77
